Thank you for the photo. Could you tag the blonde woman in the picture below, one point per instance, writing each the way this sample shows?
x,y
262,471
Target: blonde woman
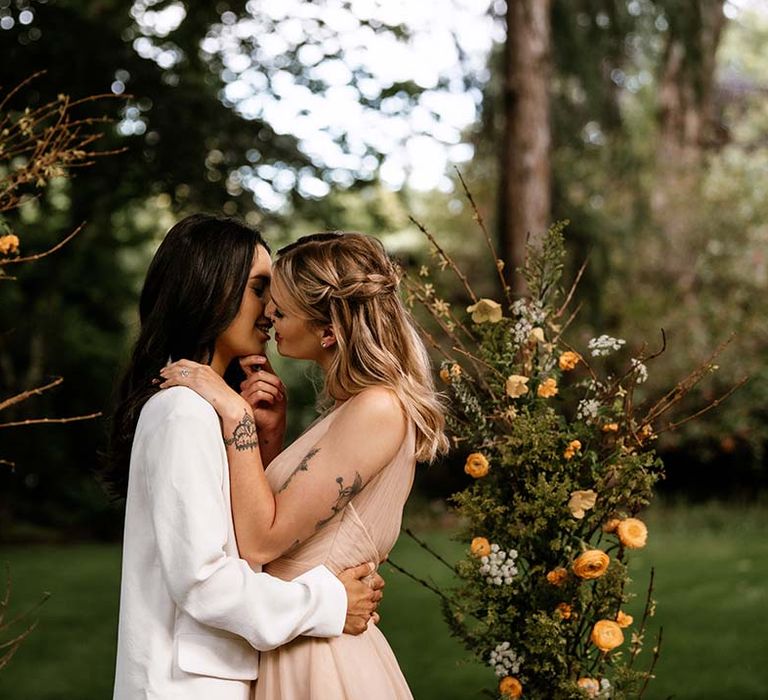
x,y
336,495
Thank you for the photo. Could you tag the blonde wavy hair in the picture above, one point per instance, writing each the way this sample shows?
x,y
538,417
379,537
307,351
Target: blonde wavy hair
x,y
347,281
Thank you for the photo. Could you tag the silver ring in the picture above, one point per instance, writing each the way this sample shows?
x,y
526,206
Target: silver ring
x,y
184,372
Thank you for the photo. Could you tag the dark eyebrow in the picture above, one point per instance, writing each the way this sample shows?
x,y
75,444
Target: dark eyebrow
x,y
263,278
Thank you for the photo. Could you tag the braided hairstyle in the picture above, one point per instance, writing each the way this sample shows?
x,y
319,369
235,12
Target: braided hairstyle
x,y
347,281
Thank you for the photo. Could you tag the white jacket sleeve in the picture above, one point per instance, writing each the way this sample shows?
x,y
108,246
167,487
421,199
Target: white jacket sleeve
x,y
191,521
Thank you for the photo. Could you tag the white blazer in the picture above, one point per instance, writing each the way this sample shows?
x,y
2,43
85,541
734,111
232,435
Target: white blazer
x,y
192,613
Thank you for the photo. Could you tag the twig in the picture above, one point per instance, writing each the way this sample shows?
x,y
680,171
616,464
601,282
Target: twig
x,y
646,614
429,549
38,256
24,395
674,425
462,277
418,580
48,421
572,290
654,660
488,240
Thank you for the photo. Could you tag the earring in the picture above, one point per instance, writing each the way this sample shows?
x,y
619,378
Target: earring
x,y
323,344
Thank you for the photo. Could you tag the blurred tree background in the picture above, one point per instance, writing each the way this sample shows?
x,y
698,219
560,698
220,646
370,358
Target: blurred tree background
x,y
641,122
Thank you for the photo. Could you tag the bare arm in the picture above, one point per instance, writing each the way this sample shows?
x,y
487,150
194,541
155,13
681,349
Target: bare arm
x,y
362,439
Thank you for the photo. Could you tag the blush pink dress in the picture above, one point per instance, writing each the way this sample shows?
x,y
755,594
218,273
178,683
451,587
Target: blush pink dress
x,y
348,667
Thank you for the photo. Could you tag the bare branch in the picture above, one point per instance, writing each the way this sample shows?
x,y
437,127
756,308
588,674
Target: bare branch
x,y
38,256
447,258
49,421
24,395
488,240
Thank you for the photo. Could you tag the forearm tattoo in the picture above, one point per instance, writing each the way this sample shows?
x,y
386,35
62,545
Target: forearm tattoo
x,y
346,494
244,436
303,467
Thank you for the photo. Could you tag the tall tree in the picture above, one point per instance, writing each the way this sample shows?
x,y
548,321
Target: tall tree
x,y
524,204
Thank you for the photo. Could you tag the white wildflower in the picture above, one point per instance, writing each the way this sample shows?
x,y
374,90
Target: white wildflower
x,y
499,566
587,409
604,345
505,661
640,370
521,330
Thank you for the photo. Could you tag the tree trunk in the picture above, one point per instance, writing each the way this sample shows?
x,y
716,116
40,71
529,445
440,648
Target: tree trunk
x,y
524,198
687,110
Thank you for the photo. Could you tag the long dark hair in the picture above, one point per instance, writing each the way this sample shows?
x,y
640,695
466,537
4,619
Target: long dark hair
x,y
192,292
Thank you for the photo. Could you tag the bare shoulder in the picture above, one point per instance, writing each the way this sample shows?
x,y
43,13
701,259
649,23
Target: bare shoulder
x,y
375,408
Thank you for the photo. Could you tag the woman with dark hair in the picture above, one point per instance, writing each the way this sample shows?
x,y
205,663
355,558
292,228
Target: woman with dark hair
x,y
336,494
192,613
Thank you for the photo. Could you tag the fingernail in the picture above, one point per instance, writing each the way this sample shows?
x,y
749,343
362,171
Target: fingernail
x,y
155,381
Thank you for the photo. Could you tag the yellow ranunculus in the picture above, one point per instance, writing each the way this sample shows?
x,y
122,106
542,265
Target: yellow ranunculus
x,y
510,687
565,610
624,620
574,446
547,389
610,428
517,385
581,501
557,576
633,533
590,685
591,564
607,635
477,465
568,360
611,525
480,547
445,375
485,311
9,244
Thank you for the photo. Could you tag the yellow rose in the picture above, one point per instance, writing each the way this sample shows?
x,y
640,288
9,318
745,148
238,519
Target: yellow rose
x,y
574,446
611,525
547,389
9,244
581,501
590,686
610,428
557,576
624,620
592,564
565,610
485,311
445,375
516,386
607,635
633,533
568,360
480,547
477,465
510,687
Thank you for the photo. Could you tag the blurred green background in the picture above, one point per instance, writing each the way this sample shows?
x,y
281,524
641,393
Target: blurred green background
x,y
349,114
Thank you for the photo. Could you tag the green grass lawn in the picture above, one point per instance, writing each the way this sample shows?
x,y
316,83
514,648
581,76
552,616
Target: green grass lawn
x,y
711,584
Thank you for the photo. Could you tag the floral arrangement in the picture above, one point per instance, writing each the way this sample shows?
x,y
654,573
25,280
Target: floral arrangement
x,y
563,464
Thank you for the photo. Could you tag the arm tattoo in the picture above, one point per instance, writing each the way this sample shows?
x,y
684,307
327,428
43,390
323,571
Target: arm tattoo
x,y
346,494
303,467
244,436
